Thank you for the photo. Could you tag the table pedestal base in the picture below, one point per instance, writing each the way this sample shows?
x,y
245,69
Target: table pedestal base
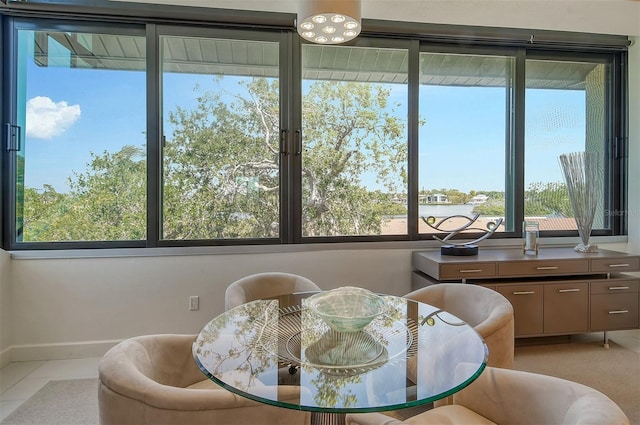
x,y
324,418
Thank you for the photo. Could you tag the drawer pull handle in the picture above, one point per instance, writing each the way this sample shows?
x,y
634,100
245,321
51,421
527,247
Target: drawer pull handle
x,y
618,288
471,271
619,265
547,268
618,311
569,290
524,292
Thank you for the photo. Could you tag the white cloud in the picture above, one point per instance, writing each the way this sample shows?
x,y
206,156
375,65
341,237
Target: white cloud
x,y
47,119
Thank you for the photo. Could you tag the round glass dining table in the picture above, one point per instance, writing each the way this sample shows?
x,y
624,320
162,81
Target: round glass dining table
x,y
411,355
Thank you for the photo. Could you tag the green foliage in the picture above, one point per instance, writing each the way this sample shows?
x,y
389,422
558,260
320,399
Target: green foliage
x,y
222,167
455,196
221,171
40,211
106,202
493,207
349,131
543,199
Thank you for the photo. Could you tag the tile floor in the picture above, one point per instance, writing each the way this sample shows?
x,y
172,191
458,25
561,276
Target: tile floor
x,y
20,380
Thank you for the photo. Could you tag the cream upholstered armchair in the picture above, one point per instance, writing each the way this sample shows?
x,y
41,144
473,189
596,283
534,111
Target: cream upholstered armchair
x,y
154,380
505,396
265,285
487,311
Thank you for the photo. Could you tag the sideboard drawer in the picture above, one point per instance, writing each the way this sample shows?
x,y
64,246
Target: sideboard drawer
x,y
467,271
543,268
615,264
614,311
614,286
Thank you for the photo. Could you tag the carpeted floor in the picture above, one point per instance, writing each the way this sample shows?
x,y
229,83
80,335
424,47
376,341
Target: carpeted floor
x,y
68,402
615,372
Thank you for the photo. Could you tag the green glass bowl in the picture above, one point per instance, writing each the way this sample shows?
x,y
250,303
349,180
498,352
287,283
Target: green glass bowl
x,y
347,309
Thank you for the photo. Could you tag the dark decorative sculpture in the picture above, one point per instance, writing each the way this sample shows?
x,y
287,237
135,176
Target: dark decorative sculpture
x,y
462,248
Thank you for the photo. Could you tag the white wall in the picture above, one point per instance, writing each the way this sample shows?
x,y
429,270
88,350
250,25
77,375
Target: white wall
x,y
621,17
76,307
67,307
5,304
57,308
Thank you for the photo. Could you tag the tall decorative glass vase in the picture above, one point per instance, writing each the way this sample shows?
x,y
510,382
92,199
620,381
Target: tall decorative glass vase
x,y
584,184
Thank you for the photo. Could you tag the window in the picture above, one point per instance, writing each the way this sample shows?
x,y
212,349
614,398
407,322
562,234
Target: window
x,y
80,172
354,138
221,151
465,133
567,110
182,132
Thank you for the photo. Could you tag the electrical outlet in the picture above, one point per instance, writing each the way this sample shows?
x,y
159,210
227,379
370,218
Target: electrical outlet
x,y
194,302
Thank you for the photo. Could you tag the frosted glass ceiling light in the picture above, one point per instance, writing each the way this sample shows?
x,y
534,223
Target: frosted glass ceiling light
x,y
329,21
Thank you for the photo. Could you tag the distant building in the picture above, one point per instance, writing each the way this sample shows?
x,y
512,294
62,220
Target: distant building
x,y
437,198
478,199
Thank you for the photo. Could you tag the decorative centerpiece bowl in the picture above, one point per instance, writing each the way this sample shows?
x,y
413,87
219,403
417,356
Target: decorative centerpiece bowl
x,y
347,309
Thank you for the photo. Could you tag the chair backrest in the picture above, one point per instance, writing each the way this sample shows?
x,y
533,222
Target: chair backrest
x,y
507,396
516,397
154,379
166,359
265,285
488,311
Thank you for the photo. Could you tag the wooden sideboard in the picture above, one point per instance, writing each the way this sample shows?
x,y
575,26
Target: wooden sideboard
x,y
557,292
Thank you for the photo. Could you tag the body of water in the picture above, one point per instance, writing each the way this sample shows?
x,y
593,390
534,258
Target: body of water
x,y
445,210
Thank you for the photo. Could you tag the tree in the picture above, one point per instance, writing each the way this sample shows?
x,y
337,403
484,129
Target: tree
x,y
543,199
349,130
41,209
221,170
494,207
222,164
105,202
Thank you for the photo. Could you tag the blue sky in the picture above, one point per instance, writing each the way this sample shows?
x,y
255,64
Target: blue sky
x,y
83,111
467,152
71,112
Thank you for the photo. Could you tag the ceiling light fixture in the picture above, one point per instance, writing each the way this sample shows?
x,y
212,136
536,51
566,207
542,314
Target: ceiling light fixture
x,y
329,21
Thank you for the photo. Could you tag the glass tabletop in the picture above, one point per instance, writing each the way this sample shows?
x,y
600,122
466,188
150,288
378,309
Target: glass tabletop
x,y
412,354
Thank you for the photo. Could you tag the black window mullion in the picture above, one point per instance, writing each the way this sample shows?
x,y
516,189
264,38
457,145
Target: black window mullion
x,y
155,138
515,150
8,110
413,123
286,120
294,209
620,137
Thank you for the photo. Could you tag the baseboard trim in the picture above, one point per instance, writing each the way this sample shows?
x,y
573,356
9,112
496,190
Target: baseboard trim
x,y
74,350
5,357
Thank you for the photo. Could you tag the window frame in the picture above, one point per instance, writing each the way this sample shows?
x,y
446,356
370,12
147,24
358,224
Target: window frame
x,y
613,163
416,37
9,159
513,156
360,41
155,123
